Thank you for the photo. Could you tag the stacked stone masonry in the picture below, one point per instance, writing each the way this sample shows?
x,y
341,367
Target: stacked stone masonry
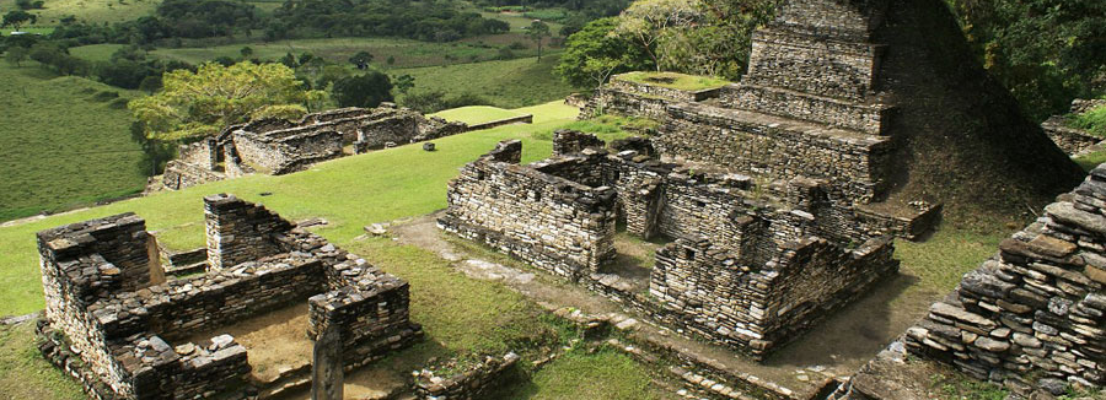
x,y
278,146
754,263
1031,315
1073,141
472,382
108,301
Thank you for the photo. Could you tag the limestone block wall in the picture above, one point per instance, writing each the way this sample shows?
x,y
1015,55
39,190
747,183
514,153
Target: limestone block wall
x,y
568,141
851,19
625,103
1070,140
852,163
238,231
1032,314
474,382
814,65
549,221
757,306
181,307
287,151
365,312
844,114
180,174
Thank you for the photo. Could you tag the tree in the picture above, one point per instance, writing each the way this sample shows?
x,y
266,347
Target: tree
x,y
196,104
391,60
361,59
16,55
537,31
1047,52
246,52
16,19
596,52
368,90
647,20
404,83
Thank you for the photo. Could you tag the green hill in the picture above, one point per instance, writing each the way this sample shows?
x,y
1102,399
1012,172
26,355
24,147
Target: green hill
x,y
64,142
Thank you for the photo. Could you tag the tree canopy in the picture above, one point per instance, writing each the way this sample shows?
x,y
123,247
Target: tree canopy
x,y
195,104
16,19
596,52
367,90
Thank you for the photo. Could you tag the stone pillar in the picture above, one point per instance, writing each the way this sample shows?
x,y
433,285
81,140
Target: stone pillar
x,y
327,376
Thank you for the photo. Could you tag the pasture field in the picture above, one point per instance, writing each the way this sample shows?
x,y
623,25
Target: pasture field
x,y
64,142
95,11
505,84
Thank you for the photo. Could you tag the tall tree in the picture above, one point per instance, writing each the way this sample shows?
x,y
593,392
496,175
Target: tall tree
x,y
368,90
647,21
361,60
16,19
195,104
596,52
16,55
538,31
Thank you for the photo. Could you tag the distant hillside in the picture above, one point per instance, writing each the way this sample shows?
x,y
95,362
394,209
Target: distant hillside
x,y
64,142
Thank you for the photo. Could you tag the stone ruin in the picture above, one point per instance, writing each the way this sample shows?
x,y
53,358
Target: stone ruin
x,y
754,262
773,189
1036,308
1030,318
277,146
114,321
1074,141
807,108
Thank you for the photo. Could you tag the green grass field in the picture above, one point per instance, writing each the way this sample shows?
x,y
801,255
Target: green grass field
x,y
64,142
476,114
505,84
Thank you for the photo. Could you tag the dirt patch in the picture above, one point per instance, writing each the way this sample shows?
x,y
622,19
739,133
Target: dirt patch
x,y
276,341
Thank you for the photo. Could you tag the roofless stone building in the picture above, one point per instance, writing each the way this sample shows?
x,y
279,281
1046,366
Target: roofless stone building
x,y
114,321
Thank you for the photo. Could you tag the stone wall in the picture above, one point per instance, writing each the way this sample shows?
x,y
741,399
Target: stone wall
x,y
843,114
1073,141
1032,314
756,306
112,312
238,231
855,164
754,263
286,151
473,382
551,222
621,84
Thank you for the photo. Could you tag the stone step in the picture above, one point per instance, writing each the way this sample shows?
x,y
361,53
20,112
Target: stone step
x,y
870,119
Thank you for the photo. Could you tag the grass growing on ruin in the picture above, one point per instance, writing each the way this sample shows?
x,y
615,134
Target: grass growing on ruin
x,y
604,375
64,142
476,114
24,374
675,80
505,84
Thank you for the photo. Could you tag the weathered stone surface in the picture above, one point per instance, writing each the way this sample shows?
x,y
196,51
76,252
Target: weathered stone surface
x,y
1047,294
102,298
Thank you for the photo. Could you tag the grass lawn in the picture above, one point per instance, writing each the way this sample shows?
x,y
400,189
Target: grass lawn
x,y
505,84
1090,161
64,141
476,114
674,80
